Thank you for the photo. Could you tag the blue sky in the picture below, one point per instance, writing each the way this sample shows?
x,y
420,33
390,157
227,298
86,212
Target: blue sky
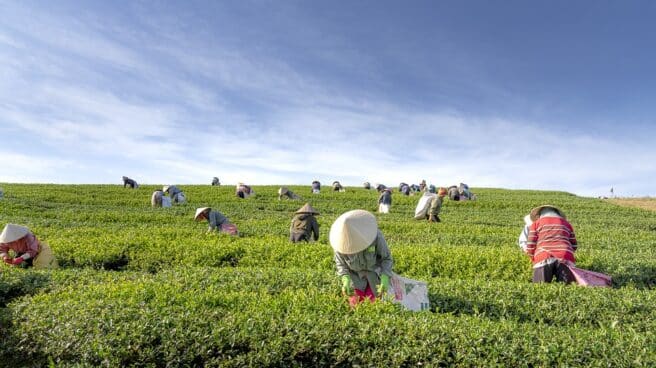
x,y
514,94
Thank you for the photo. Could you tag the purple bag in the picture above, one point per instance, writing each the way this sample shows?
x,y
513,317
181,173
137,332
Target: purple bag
x,y
590,278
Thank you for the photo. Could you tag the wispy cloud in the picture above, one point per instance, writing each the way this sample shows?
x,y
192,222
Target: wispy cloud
x,y
100,99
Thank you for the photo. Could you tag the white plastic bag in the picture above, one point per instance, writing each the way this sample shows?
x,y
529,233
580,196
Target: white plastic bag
x,y
383,208
411,294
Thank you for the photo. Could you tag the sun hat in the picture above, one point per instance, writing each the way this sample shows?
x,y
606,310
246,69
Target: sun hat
x,y
283,191
307,208
165,188
199,211
353,231
535,213
13,232
527,219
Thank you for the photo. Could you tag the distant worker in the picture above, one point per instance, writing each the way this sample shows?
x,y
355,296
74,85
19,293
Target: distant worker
x,y
316,187
523,236
363,259
158,199
432,189
2,193
380,187
404,189
215,182
337,187
244,191
465,193
551,245
415,188
176,195
28,250
284,192
129,182
422,186
430,205
453,193
366,185
385,201
304,225
216,220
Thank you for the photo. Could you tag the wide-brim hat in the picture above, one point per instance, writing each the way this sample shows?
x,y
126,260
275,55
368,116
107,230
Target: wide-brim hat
x,y
353,232
165,188
13,232
527,219
283,191
535,213
199,211
307,208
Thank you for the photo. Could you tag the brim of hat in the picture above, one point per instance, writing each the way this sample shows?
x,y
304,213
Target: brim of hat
x,y
307,208
13,232
199,211
535,213
353,232
527,219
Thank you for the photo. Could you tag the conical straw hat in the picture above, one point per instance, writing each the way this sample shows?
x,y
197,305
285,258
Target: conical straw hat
x,y
535,213
283,190
353,232
13,232
307,209
199,211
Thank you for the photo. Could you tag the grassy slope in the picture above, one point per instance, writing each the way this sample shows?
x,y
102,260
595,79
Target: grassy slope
x,y
644,203
180,293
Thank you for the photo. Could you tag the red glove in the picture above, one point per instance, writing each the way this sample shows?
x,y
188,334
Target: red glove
x,y
17,261
7,260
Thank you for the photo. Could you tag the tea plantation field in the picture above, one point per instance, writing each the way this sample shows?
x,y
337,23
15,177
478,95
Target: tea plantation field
x,y
140,286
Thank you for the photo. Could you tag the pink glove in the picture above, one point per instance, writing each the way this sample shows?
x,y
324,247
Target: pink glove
x,y
17,261
7,260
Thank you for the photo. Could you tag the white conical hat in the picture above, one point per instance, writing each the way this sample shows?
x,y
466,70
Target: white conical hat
x,y
199,211
353,232
13,232
535,213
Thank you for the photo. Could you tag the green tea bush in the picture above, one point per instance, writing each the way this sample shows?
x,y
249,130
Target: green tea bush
x,y
140,286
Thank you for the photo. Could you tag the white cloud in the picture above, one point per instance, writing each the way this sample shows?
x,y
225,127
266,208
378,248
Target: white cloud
x,y
177,123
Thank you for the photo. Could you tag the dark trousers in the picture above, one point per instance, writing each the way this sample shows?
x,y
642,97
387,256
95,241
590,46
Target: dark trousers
x,y
548,272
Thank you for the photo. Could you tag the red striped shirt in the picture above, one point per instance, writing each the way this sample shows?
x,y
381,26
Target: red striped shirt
x,y
551,237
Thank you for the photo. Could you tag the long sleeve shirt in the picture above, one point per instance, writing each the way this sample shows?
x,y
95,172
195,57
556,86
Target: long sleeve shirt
x,y
133,184
551,237
27,247
215,220
303,227
385,197
523,238
365,267
173,191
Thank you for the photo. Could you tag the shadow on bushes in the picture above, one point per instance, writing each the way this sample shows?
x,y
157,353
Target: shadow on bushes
x,y
460,306
18,284
12,286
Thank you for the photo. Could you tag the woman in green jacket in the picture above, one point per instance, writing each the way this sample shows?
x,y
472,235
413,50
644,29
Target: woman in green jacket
x,y
363,259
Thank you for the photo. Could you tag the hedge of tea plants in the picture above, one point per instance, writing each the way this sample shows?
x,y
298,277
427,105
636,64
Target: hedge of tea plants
x,y
140,286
